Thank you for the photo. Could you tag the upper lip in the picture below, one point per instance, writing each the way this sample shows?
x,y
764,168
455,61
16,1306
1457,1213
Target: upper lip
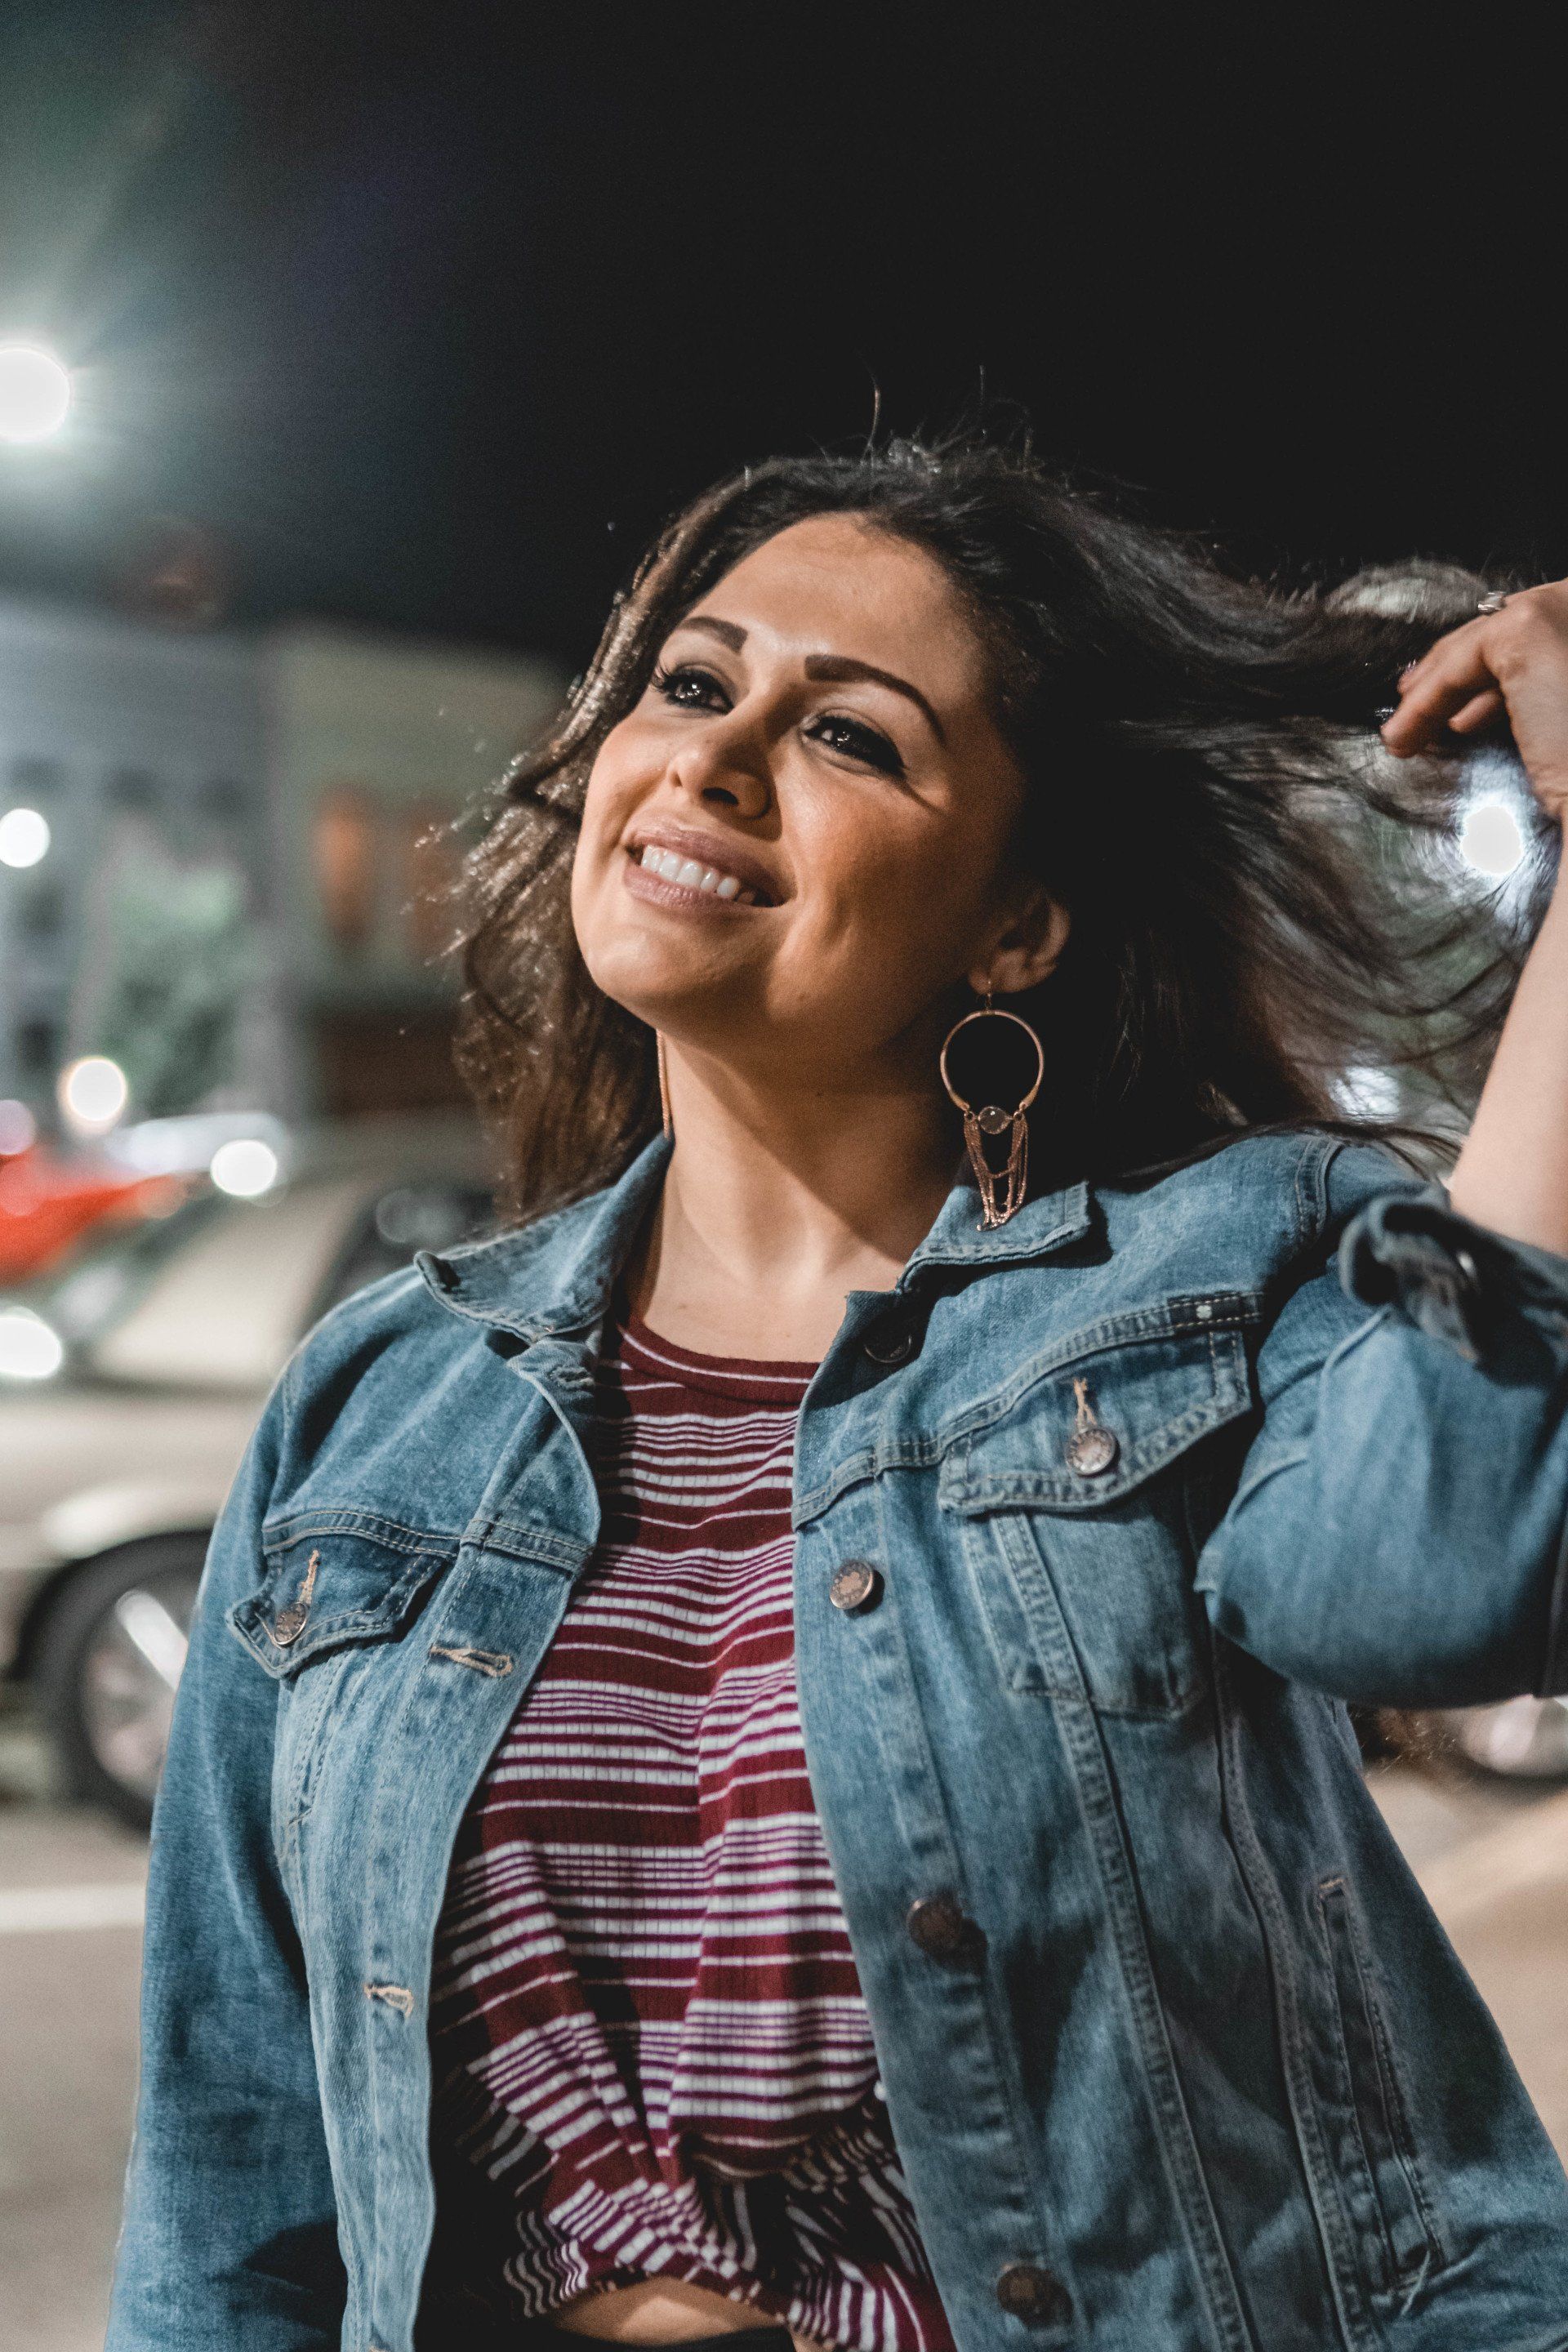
x,y
710,849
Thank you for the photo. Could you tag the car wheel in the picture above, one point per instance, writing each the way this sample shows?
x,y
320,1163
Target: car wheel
x,y
108,1660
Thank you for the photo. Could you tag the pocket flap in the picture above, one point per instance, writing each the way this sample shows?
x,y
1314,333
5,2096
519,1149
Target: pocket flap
x,y
1117,1405
328,1588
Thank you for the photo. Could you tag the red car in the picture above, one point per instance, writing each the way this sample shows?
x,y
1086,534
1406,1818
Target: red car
x,y
47,1203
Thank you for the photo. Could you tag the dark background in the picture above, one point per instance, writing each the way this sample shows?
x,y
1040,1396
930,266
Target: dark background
x,y
429,321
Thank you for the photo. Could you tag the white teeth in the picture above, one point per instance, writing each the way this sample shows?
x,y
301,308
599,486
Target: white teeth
x,y
693,876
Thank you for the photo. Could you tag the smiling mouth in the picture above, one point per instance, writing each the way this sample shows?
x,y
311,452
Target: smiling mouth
x,y
692,879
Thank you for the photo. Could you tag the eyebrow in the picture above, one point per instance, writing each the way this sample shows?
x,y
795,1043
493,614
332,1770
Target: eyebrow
x,y
840,668
727,632
828,669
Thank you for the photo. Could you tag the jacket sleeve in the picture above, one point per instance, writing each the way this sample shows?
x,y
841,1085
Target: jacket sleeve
x,y
1398,1532
229,2237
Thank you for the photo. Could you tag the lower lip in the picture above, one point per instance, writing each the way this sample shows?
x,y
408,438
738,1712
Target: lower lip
x,y
682,896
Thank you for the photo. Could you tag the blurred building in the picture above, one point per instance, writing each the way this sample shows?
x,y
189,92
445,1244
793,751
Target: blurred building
x,y
250,838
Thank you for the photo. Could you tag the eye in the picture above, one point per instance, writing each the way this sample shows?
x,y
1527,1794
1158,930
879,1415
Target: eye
x,y
854,739
691,687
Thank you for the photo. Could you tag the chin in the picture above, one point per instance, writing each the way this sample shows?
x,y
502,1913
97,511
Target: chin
x,y
644,982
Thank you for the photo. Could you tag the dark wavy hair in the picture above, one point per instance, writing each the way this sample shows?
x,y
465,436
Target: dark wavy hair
x,y
1264,904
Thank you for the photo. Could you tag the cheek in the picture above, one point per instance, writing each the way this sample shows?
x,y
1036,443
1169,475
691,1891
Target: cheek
x,y
609,780
611,785
891,884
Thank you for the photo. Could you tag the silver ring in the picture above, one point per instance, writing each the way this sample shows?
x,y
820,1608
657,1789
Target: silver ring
x,y
1493,601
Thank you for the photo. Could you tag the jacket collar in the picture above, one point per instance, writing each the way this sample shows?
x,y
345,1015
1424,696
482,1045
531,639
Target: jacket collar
x,y
556,1276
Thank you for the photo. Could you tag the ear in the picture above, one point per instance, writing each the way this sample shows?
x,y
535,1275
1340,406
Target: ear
x,y
1027,946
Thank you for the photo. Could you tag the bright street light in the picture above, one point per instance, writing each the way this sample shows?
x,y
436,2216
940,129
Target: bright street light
x,y
34,393
24,838
92,1094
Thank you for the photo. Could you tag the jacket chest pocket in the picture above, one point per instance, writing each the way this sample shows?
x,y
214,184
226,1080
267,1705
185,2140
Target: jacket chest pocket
x,y
1072,1489
331,1599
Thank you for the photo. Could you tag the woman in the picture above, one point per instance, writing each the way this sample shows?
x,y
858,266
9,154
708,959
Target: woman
x,y
766,1753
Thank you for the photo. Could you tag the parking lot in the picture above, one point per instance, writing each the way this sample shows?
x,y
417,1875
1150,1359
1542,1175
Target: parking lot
x,y
1493,1857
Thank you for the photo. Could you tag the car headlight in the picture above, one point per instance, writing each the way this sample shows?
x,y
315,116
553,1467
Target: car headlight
x,y
30,1349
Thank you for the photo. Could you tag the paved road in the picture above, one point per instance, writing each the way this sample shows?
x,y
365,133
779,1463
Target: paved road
x,y
1494,1859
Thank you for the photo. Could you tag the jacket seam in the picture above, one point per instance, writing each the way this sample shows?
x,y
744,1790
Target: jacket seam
x,y
1152,1324
347,1520
1407,2153
1556,1643
1191,2188
1046,1490
1365,2170
286,1393
1354,2320
1000,2033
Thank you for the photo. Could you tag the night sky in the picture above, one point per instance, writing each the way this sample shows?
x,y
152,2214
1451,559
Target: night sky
x,y
431,324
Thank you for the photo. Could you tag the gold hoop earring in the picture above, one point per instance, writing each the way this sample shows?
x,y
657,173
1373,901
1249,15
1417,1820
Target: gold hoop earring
x,y
993,1121
666,1114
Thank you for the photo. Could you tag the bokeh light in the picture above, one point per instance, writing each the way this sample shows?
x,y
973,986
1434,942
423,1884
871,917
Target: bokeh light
x,y
24,838
29,1348
34,393
19,1128
1490,837
92,1094
245,1166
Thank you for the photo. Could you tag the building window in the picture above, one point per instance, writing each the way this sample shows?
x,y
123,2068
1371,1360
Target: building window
x,y
343,853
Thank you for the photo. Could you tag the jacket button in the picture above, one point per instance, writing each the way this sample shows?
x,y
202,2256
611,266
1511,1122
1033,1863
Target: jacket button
x,y
856,1585
940,1929
1028,2291
890,1343
1091,1451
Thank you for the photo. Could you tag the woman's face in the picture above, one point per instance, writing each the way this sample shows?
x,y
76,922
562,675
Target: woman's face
x,y
815,768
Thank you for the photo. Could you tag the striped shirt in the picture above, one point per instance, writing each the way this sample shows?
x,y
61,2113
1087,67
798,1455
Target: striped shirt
x,y
652,2057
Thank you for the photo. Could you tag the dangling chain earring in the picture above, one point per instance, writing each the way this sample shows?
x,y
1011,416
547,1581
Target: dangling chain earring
x,y
993,1120
668,1115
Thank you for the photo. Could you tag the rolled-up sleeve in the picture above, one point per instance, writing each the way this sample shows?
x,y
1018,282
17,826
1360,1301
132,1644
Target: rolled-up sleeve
x,y
230,2231
1397,1535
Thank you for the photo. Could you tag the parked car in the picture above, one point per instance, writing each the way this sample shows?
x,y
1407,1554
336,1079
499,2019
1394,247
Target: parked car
x,y
136,1377
47,1203
1522,1739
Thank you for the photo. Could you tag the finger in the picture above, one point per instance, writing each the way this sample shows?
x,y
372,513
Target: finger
x,y
1452,675
1478,712
1455,643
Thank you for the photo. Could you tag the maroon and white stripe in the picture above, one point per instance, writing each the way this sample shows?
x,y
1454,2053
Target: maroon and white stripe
x,y
648,2032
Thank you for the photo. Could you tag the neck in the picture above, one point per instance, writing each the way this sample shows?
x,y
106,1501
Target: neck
x,y
782,1197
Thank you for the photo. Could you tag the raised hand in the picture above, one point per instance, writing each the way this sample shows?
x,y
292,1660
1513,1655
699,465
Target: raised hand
x,y
1512,660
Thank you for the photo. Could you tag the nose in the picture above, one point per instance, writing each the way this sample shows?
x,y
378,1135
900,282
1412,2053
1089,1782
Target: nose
x,y
720,772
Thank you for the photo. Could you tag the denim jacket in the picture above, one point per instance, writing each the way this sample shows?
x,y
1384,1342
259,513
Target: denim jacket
x,y
1150,1480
